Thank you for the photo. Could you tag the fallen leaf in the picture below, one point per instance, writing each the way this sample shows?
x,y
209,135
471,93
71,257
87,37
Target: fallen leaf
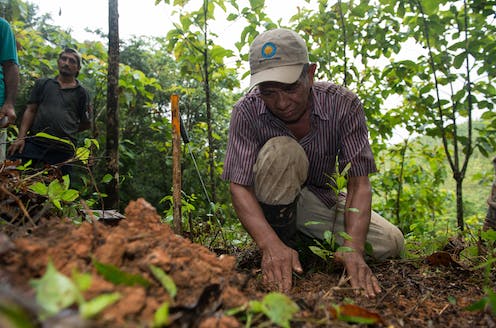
x,y
354,313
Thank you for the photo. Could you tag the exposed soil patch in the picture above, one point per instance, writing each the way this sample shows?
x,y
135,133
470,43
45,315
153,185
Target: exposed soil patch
x,y
430,292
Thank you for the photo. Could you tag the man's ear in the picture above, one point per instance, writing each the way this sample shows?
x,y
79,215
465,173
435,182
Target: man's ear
x,y
311,69
311,73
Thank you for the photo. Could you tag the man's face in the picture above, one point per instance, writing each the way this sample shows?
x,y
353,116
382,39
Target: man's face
x,y
288,101
68,64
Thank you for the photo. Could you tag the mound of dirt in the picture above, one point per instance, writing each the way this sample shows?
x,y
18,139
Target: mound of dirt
x,y
430,292
205,282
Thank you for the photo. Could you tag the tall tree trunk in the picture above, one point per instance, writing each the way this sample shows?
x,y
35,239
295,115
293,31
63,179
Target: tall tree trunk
x,y
112,150
457,168
211,159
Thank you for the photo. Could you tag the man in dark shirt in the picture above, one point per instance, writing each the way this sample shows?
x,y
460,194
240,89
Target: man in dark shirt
x,y
286,136
57,110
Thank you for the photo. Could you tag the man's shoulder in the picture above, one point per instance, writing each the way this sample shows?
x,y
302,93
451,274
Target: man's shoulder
x,y
4,23
251,102
328,89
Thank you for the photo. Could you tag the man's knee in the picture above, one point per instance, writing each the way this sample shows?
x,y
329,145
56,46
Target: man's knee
x,y
280,170
391,245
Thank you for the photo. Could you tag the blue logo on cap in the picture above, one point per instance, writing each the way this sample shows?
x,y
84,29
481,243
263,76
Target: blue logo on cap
x,y
268,50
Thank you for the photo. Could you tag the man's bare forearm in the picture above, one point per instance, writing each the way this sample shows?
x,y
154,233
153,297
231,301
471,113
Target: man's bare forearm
x,y
357,212
11,79
251,216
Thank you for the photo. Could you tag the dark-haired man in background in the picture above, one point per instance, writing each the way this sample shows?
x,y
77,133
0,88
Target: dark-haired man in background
x,y
58,107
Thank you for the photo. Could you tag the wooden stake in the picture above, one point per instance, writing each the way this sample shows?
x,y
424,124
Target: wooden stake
x,y
176,165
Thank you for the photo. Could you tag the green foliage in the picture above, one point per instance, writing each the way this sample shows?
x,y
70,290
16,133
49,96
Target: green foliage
x,y
161,316
96,305
395,55
278,307
164,279
328,247
55,292
57,192
488,302
409,192
118,277
15,316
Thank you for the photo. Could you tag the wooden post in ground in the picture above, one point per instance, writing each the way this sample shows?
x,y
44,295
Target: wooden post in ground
x,y
176,165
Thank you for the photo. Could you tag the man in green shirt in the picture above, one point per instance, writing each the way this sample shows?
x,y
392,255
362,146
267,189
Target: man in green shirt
x,y
9,81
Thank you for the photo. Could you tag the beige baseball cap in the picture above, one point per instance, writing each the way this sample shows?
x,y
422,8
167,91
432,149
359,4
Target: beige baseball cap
x,y
277,55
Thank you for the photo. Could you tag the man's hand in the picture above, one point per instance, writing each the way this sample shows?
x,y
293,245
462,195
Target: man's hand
x,y
361,276
16,147
278,263
8,112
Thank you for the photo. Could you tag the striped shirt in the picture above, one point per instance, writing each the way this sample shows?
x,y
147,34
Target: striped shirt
x,y
338,131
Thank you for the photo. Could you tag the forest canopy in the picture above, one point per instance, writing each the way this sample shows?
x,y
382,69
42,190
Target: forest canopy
x,y
430,112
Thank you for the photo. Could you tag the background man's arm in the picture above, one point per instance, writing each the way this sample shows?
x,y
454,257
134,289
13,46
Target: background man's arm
x,y
26,123
11,80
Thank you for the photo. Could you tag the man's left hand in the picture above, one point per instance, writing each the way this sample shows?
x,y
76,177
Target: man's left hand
x,y
361,276
8,112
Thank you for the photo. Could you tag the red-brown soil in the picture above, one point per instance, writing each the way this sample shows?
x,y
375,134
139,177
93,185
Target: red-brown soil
x,y
423,292
416,293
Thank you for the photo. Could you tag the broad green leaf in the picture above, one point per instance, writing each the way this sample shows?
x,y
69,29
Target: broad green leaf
x,y
345,235
83,154
116,276
81,280
57,204
309,223
55,189
67,181
478,305
256,306
69,195
49,136
489,235
15,316
345,249
107,178
24,166
161,316
39,188
320,252
164,279
54,291
96,305
279,308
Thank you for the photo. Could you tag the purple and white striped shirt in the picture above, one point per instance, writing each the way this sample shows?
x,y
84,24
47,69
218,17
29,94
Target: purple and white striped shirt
x,y
338,130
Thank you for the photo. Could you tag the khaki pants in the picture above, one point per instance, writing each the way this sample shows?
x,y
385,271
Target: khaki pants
x,y
280,171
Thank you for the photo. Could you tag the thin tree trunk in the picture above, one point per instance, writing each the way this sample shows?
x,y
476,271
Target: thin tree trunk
x,y
400,183
211,159
112,145
345,44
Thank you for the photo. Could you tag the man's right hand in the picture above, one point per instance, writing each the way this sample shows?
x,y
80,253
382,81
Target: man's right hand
x,y
16,147
278,263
